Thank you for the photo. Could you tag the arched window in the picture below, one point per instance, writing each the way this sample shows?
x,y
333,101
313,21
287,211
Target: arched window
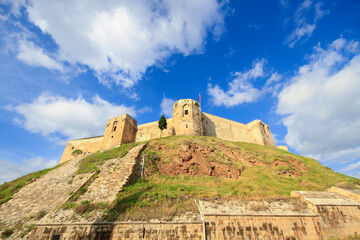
x,y
114,126
185,109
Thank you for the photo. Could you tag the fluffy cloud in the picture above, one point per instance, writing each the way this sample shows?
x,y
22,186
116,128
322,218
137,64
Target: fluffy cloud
x,y
10,170
241,89
166,106
35,56
73,118
304,27
120,40
321,104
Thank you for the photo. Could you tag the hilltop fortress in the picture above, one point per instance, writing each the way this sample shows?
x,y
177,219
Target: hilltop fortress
x,y
188,119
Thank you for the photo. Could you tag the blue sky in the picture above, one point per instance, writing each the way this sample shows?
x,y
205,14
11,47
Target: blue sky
x,y
68,66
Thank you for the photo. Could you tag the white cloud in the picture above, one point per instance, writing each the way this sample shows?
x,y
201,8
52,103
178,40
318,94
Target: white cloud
x,y
15,6
254,26
241,88
73,118
166,106
284,3
303,26
321,104
35,56
10,170
120,40
354,166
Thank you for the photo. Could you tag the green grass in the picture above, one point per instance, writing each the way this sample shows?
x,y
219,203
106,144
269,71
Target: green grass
x,y
8,189
76,152
93,162
7,232
162,197
264,179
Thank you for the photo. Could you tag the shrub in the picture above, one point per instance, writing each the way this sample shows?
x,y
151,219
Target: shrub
x,y
40,214
76,152
7,232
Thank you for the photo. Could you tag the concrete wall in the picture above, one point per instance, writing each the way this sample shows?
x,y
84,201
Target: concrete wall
x,y
151,130
253,132
86,145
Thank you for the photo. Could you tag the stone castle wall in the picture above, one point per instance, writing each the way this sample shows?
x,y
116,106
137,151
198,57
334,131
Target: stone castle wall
x,y
253,132
87,146
151,130
187,120
119,130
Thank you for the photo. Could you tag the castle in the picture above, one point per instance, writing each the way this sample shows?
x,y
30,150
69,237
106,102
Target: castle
x,y
188,119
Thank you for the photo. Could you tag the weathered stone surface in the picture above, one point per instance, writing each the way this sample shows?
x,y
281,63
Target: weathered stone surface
x,y
148,131
119,130
253,132
256,208
121,231
263,227
318,198
114,175
45,194
86,145
350,193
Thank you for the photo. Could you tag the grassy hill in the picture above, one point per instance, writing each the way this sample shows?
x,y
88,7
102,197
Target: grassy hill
x,y
179,168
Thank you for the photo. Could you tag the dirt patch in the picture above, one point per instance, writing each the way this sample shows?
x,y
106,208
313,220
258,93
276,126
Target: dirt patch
x,y
211,160
192,159
290,167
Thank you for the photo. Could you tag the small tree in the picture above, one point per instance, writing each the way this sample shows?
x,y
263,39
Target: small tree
x,y
162,124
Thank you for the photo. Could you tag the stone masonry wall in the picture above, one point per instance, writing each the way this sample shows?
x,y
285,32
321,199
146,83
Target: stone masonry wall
x,y
114,175
262,227
121,231
260,133
148,131
86,145
337,220
253,132
187,118
119,130
224,128
44,194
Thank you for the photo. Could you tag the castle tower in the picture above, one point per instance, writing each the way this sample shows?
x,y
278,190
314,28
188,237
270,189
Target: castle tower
x,y
119,130
187,118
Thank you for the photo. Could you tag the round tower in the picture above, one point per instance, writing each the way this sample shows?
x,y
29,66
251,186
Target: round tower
x,y
187,118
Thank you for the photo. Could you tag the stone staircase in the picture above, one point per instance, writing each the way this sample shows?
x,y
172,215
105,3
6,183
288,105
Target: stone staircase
x,y
114,175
